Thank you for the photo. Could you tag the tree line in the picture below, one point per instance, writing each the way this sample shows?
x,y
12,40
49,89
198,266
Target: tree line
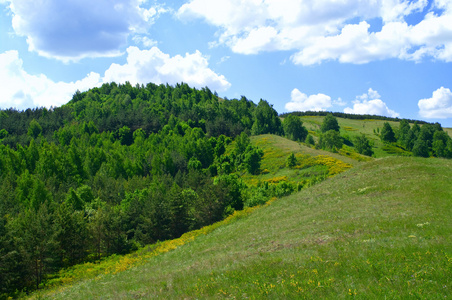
x,y
424,141
348,116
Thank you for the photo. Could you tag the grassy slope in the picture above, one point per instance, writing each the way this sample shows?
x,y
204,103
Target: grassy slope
x,y
277,149
352,128
379,229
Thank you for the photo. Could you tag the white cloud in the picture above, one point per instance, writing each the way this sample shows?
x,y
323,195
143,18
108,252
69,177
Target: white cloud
x,y
302,102
72,30
370,104
438,106
22,90
329,29
145,41
153,65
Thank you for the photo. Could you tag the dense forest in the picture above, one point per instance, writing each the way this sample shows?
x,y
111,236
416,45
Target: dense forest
x,y
119,167
116,168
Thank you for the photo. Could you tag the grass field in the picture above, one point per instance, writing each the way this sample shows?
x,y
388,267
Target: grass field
x,y
352,128
380,230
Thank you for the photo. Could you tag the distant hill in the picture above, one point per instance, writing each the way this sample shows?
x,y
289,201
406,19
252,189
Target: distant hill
x,y
349,116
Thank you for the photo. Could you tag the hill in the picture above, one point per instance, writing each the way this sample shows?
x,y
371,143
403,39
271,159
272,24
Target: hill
x,y
122,173
351,128
378,230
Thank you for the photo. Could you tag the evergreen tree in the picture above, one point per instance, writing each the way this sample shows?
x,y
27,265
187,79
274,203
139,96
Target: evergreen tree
x,y
387,134
291,160
420,148
402,132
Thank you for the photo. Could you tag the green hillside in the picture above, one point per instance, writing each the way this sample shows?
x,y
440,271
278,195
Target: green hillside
x,y
379,230
120,176
350,128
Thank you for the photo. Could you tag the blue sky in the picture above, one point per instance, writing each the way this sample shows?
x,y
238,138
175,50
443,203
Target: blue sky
x,y
384,57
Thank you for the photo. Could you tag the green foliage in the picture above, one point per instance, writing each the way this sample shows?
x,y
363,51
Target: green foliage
x,y
331,140
310,140
387,134
362,145
293,128
291,160
125,136
252,161
420,148
402,132
266,119
242,141
34,129
329,123
3,134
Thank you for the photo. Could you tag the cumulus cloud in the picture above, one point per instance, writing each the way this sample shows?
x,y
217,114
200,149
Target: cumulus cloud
x,y
438,106
71,30
155,66
302,102
328,29
22,90
370,104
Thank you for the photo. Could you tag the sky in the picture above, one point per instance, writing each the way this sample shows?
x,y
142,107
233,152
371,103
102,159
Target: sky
x,y
382,57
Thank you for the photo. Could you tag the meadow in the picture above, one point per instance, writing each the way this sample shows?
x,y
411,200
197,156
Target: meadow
x,y
350,128
378,230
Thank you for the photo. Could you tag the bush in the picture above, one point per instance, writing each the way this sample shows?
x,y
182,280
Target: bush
x,y
330,140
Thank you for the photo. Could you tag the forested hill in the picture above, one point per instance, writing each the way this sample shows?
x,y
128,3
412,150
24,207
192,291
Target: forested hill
x,y
149,107
116,168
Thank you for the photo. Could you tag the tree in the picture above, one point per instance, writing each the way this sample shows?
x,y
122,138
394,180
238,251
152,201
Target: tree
x,y
11,264
310,140
420,148
242,142
426,134
72,234
3,134
253,157
34,129
439,145
266,119
362,145
402,132
35,239
387,134
294,129
291,160
125,136
329,123
331,140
